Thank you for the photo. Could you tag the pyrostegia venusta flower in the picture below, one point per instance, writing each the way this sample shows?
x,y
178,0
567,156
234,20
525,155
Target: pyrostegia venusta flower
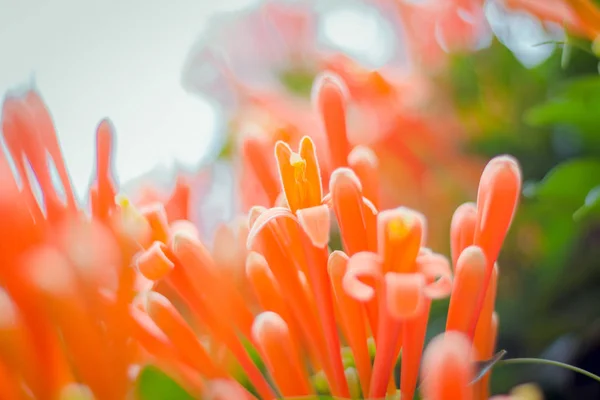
x,y
580,16
372,131
421,162
382,285
72,300
67,282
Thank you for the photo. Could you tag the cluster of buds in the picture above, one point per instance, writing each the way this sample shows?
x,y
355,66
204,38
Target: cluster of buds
x,y
89,298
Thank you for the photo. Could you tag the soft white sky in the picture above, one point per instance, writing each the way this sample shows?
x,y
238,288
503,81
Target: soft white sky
x,y
116,58
123,59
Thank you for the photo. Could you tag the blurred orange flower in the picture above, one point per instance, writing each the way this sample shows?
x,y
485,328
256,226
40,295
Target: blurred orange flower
x,y
580,16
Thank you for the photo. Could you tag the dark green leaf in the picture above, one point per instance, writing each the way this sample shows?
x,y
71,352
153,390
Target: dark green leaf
x,y
568,184
591,207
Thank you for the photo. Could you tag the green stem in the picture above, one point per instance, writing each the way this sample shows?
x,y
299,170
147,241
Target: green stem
x,y
552,363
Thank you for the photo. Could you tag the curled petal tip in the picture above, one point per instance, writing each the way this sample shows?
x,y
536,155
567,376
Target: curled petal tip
x,y
254,213
281,200
336,264
337,256
153,264
362,266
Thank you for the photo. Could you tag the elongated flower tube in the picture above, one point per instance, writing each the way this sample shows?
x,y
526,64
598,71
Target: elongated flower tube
x,y
497,198
60,267
88,300
331,103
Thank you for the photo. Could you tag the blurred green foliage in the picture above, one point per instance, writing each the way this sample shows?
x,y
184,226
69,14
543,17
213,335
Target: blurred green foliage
x,y
297,81
548,117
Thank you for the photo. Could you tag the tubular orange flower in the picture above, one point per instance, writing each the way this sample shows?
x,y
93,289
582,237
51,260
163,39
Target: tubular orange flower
x,y
384,139
59,267
95,297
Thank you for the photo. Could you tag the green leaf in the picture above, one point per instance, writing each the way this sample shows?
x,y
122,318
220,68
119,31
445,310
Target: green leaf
x,y
483,367
298,81
154,384
591,207
568,184
572,106
569,111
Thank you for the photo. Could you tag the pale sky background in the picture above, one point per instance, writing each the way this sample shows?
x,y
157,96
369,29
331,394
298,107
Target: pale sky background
x,y
116,58
123,59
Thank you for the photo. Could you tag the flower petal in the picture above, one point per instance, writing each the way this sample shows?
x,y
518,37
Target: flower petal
x,y
263,219
404,294
362,266
315,221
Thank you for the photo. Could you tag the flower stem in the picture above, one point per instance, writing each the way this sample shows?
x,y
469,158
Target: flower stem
x,y
552,363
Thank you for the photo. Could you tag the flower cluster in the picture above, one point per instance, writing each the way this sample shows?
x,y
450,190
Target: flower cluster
x,y
89,298
397,111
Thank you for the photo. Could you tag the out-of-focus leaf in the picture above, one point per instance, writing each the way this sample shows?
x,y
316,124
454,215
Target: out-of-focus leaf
x,y
228,149
240,375
572,106
591,207
568,184
319,382
153,384
569,111
297,81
